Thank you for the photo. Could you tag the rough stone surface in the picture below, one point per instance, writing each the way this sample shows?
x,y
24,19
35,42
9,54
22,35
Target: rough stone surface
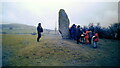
x,y
63,24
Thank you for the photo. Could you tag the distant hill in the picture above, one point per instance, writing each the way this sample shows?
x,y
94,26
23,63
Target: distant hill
x,y
21,29
16,26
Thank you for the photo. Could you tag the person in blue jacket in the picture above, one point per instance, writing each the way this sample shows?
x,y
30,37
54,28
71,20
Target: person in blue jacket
x,y
73,31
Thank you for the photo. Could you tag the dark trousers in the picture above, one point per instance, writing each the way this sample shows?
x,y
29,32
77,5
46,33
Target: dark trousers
x,y
78,39
39,36
89,40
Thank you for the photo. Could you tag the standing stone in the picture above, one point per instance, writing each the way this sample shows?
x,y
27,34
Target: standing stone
x,y
118,33
63,24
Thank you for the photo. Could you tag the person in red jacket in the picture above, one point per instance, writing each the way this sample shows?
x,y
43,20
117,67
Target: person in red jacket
x,y
95,40
86,37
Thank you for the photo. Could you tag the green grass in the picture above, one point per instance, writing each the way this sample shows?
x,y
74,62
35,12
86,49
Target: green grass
x,y
23,50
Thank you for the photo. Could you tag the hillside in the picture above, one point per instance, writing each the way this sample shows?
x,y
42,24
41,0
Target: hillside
x,y
16,26
20,29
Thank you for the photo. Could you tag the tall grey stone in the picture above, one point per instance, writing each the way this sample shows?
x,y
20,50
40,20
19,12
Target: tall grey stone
x,y
63,24
119,11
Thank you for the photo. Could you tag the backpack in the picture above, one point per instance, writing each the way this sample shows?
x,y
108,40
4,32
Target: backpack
x,y
39,29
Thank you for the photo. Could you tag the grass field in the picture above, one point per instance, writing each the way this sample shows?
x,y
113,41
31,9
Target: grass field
x,y
23,50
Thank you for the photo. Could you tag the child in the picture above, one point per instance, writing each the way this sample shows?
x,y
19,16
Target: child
x,y
95,40
86,37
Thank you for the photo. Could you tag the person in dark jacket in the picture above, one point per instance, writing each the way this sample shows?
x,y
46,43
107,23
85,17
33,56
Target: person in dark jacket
x,y
39,30
73,31
91,28
78,34
90,34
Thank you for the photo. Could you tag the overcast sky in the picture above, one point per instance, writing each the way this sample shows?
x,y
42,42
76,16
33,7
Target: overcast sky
x,y
46,12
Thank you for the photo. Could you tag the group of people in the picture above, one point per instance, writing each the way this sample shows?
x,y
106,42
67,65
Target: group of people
x,y
81,35
84,35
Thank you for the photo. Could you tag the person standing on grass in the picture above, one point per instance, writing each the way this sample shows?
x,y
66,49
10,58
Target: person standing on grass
x,y
78,34
90,34
86,37
95,40
73,31
39,30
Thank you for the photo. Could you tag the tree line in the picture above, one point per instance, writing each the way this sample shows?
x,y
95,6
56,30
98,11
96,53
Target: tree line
x,y
110,32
